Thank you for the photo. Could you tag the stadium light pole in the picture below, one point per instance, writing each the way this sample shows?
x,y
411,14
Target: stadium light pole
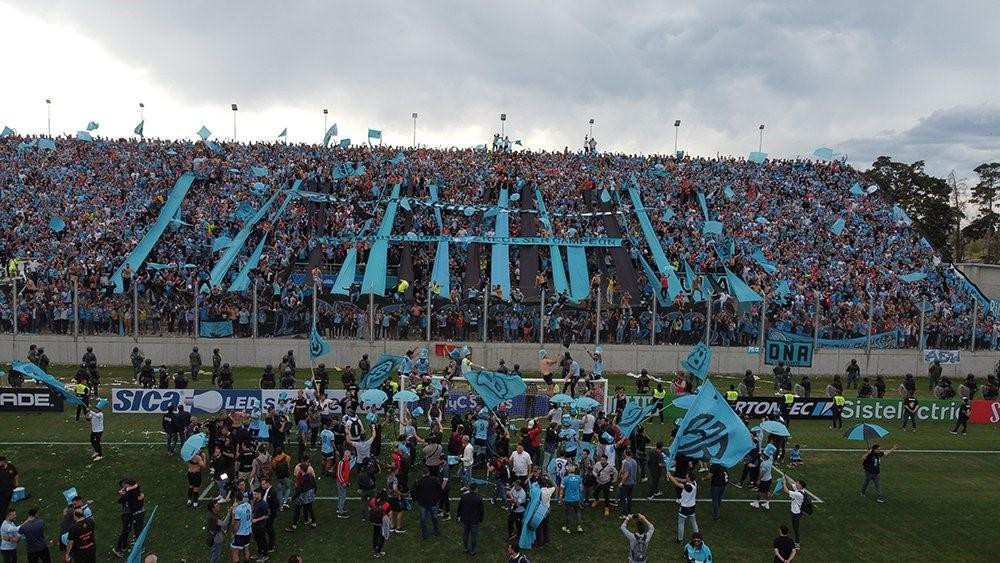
x,y
503,118
142,107
235,109
591,127
677,128
760,143
325,112
48,109
414,129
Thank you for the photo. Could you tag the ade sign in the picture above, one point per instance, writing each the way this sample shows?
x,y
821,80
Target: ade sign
x,y
794,354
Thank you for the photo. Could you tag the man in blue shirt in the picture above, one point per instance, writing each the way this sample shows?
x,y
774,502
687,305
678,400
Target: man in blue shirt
x,y
326,447
481,428
243,526
764,483
696,551
572,486
518,501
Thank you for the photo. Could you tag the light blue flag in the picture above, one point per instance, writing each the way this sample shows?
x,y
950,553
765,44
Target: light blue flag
x,y
258,171
605,196
135,556
213,147
317,346
782,290
837,227
712,228
47,144
494,387
330,133
698,361
824,153
740,290
204,133
633,415
344,143
856,189
245,211
400,157
221,243
728,192
703,204
139,128
667,215
778,485
374,134
518,142
84,136
711,431
759,257
92,125
914,277
34,372
7,132
380,371
284,133
757,157
57,224
259,188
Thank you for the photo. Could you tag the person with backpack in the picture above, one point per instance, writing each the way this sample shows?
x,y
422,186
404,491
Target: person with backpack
x,y
514,554
305,495
378,516
800,503
638,541
281,464
366,483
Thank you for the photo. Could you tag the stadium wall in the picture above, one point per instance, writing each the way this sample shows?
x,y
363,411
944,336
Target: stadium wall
x,y
114,350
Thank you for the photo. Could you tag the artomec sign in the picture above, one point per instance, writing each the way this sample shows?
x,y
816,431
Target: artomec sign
x,y
30,399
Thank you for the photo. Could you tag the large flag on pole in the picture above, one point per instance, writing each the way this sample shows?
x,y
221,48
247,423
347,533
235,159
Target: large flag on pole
x,y
711,430
330,133
698,361
34,372
633,415
284,133
380,371
317,346
495,387
135,556
92,126
138,128
374,134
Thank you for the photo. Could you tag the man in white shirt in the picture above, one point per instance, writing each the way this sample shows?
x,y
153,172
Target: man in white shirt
x,y
588,427
468,457
9,536
797,494
521,462
96,418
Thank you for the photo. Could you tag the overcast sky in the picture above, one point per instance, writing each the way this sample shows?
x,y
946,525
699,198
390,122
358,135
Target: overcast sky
x,y
864,78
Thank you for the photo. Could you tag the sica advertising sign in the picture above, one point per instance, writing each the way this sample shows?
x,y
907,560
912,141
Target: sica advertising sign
x,y
854,409
205,401
30,399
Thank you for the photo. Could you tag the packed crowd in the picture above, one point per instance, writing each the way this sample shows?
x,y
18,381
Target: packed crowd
x,y
106,195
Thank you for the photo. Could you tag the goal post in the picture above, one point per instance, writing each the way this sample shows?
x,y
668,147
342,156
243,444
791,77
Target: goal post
x,y
534,402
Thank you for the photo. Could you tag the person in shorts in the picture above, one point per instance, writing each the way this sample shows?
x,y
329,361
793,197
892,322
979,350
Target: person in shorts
x,y
243,530
764,483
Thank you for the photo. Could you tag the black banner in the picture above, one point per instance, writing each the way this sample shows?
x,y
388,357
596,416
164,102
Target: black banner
x,y
29,399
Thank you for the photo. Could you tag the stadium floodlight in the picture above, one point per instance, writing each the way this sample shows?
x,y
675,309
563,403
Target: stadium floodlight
x,y
503,117
48,108
760,143
234,120
325,112
591,127
677,127
414,129
142,107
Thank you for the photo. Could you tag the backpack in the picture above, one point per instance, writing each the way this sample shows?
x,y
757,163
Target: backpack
x,y
807,504
640,549
375,515
365,481
281,469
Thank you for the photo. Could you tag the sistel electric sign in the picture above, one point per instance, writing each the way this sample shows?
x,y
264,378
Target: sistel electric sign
x,y
30,399
985,412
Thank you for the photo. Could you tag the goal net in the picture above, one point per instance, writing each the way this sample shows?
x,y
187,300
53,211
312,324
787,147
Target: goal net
x,y
462,398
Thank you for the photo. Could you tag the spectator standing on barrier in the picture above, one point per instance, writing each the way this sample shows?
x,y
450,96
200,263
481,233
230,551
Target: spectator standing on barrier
x,y
871,462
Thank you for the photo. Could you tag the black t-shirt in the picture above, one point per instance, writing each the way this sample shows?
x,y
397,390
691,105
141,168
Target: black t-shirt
x,y
339,433
911,403
873,463
82,536
785,546
261,510
719,476
8,475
